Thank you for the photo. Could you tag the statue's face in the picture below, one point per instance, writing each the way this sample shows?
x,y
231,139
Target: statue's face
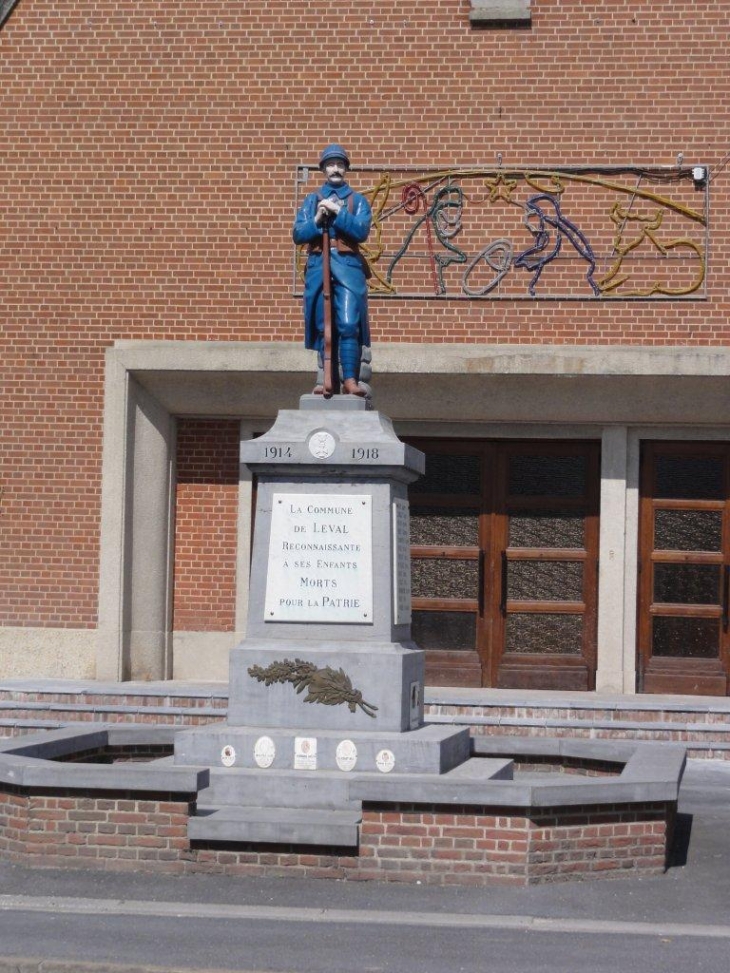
x,y
334,171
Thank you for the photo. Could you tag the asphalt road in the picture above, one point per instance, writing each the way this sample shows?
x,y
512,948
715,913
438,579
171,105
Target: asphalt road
x,y
72,921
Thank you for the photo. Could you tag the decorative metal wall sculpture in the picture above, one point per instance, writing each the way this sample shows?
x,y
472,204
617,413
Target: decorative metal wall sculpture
x,y
498,233
328,686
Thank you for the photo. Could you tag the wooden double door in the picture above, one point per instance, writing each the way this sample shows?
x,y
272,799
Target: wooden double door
x,y
684,568
504,557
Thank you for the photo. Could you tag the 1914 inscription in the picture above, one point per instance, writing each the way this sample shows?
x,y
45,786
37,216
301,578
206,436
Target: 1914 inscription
x,y
320,559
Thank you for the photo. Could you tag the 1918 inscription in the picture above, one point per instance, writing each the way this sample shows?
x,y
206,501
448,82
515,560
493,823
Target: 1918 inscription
x,y
320,559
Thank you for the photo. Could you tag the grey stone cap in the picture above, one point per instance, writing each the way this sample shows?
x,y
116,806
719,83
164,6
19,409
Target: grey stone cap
x,y
93,687
29,761
284,448
549,699
652,772
434,695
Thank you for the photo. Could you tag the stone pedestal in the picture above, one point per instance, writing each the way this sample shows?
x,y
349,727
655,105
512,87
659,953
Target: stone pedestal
x,y
327,687
328,640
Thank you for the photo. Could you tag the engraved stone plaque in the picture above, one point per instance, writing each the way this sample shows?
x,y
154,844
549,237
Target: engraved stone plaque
x,y
385,761
305,753
264,752
346,755
320,559
401,563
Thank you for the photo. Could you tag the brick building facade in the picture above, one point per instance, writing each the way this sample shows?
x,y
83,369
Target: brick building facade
x,y
573,530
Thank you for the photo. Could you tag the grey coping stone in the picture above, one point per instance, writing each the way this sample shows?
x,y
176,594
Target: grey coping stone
x,y
140,734
76,737
511,794
653,773
276,825
584,724
10,705
434,695
170,688
618,751
57,743
28,772
29,761
546,699
483,768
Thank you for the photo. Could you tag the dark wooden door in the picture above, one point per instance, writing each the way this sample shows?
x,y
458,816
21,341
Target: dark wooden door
x,y
684,568
504,563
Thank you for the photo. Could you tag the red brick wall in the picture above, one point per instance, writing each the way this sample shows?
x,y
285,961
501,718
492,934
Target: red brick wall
x,y
148,158
441,846
206,514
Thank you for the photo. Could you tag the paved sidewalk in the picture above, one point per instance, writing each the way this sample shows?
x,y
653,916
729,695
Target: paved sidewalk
x,y
687,910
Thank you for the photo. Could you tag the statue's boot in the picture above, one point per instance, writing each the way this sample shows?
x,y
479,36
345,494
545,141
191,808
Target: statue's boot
x,y
318,390
350,387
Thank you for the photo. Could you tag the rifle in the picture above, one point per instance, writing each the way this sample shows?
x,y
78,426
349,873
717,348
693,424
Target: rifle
x,y
330,353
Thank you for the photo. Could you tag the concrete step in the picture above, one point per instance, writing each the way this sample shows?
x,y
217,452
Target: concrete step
x,y
278,788
276,825
701,723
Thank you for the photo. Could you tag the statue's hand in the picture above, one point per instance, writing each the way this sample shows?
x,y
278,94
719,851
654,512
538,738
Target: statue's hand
x,y
321,215
332,206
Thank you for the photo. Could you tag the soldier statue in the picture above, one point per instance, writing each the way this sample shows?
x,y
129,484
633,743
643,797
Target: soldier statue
x,y
339,219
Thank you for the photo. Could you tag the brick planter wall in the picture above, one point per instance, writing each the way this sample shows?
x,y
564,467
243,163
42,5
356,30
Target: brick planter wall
x,y
399,843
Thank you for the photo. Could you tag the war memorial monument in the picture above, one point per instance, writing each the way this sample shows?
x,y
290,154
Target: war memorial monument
x,y
325,765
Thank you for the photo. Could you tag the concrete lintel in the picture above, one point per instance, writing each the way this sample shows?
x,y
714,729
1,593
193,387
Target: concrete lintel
x,y
500,13
289,357
445,383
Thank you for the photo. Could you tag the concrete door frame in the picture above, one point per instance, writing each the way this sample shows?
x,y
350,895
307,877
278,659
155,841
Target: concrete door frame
x,y
620,394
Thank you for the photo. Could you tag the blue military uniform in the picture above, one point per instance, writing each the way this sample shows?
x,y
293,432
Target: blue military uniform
x,y
348,271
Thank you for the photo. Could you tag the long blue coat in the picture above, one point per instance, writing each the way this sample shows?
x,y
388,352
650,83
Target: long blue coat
x,y
349,285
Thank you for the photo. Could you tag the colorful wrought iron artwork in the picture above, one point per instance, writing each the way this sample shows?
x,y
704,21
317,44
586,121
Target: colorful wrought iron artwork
x,y
498,233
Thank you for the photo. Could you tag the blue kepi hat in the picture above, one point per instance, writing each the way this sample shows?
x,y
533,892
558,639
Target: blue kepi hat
x,y
333,151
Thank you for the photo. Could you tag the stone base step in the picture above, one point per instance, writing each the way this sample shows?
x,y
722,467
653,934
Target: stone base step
x,y
286,788
276,825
